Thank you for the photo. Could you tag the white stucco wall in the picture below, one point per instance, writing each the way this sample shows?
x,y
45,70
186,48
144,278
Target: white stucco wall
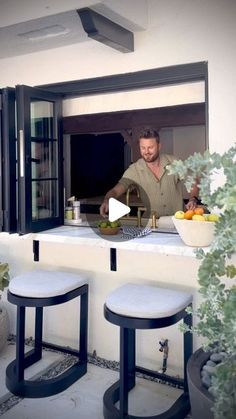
x,y
178,94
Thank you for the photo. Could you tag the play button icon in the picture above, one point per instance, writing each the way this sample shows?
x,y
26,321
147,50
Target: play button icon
x,y
127,227
116,209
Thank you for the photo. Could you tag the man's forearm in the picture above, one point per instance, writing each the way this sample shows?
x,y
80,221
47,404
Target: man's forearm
x,y
110,194
115,192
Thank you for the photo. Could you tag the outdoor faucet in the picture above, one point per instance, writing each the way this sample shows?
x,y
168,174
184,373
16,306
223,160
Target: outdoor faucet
x,y
164,347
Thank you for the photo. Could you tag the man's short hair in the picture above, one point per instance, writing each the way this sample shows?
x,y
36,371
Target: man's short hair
x,y
149,133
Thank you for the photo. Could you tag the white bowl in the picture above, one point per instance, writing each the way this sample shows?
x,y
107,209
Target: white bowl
x,y
195,233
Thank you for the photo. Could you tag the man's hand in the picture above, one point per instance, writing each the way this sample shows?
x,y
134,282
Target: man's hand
x,y
193,200
115,192
192,204
104,208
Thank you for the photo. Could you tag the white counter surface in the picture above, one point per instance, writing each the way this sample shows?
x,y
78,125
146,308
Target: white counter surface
x,y
163,243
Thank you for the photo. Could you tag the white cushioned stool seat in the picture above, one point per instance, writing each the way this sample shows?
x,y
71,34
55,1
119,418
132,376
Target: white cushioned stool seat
x,y
147,301
43,283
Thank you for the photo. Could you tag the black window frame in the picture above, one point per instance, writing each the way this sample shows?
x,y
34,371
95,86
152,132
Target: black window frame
x,y
164,76
8,159
24,95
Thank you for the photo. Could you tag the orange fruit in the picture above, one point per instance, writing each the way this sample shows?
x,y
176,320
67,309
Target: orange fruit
x,y
199,211
188,214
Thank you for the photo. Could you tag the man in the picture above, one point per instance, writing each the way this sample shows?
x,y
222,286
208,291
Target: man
x,y
163,191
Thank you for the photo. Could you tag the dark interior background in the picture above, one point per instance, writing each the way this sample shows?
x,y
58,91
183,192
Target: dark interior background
x,y
88,178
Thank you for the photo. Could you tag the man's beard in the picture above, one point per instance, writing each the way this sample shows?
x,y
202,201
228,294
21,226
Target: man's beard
x,y
149,158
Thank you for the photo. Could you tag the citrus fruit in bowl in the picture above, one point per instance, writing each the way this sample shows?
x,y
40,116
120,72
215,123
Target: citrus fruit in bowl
x,y
107,227
196,232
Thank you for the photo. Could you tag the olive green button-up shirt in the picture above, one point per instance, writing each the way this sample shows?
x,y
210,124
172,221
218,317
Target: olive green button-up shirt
x,y
162,195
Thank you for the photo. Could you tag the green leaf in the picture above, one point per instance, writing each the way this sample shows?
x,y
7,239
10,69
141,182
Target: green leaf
x,y
4,275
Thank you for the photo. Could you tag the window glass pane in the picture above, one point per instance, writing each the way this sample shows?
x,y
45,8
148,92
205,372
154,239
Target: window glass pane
x,y
44,159
41,113
44,199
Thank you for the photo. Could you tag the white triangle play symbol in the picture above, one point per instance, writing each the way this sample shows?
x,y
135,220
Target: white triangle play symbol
x,y
116,209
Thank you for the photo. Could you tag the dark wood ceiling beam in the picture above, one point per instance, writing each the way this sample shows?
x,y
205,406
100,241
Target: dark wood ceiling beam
x,y
171,116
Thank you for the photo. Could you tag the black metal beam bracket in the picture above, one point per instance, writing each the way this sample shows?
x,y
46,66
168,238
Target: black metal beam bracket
x,y
113,264
106,31
36,250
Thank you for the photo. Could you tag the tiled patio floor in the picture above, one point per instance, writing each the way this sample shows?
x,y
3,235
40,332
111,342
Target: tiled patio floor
x,y
83,400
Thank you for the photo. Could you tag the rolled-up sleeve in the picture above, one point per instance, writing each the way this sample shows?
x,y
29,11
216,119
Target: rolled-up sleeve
x,y
129,177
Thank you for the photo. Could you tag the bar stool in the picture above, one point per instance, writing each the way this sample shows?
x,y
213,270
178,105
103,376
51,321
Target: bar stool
x,y
135,306
41,288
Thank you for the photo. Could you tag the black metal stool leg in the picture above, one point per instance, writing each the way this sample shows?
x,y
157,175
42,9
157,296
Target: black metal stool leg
x,y
20,343
127,367
131,357
188,348
123,372
83,327
38,331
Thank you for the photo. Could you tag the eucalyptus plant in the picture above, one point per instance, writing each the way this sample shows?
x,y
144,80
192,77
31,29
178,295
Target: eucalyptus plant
x,y
4,276
216,313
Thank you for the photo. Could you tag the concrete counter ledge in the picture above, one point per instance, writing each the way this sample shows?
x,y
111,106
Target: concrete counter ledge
x,y
162,243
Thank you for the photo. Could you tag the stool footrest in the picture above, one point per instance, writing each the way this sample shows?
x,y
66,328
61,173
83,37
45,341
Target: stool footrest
x,y
161,376
178,410
43,387
64,349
